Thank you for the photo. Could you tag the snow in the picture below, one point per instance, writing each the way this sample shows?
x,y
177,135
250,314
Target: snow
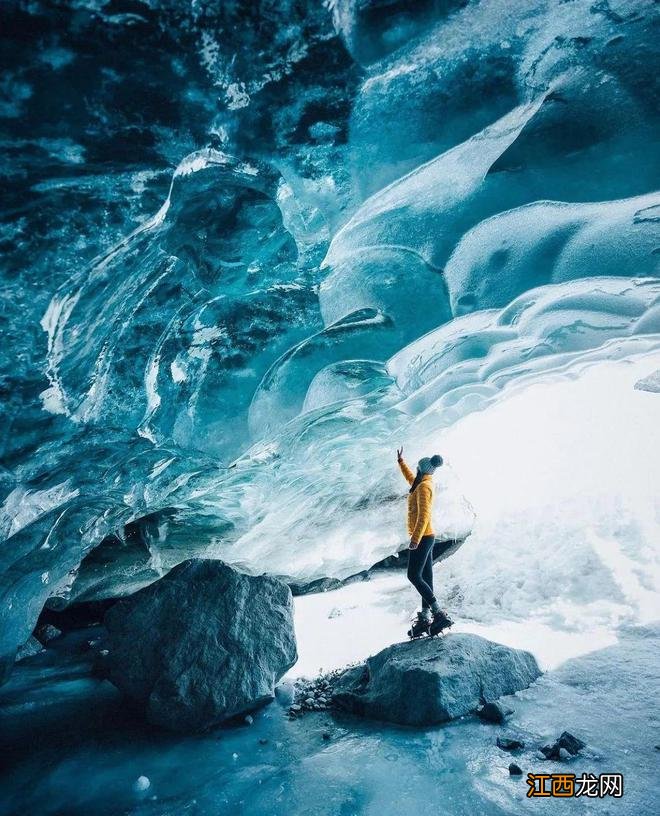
x,y
564,548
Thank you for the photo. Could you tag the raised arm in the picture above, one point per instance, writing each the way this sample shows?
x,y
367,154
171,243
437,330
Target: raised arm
x,y
408,475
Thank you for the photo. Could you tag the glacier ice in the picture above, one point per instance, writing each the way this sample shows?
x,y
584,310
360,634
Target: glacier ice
x,y
249,249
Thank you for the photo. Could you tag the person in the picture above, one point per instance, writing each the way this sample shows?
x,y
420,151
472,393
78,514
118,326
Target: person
x,y
431,619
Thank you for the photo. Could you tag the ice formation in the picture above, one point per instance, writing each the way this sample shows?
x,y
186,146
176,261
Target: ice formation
x,y
242,262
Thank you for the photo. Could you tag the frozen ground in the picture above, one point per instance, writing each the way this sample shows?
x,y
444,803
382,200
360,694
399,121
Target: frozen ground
x,y
69,745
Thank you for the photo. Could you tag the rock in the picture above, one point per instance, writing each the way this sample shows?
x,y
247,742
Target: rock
x,y
326,735
46,632
30,648
202,645
263,741
284,693
493,713
550,751
515,770
433,680
509,744
563,748
572,744
248,719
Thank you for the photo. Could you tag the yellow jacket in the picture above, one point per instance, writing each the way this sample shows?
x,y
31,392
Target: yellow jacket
x,y
420,504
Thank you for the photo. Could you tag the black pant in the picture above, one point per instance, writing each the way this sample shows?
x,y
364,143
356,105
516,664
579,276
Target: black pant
x,y
420,570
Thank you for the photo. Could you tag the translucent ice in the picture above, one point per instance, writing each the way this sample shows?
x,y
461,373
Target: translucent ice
x,y
250,248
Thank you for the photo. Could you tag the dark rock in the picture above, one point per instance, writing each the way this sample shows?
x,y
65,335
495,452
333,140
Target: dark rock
x,y
326,735
433,680
46,632
30,648
572,744
263,741
493,713
550,751
509,744
515,770
202,645
563,748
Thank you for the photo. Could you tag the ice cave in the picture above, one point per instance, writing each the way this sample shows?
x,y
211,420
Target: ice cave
x,y
250,249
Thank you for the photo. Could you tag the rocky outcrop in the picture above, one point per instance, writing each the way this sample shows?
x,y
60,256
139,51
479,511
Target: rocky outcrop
x,y
433,680
203,644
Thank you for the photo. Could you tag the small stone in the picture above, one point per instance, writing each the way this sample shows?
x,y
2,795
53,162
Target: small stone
x,y
263,741
295,709
326,735
249,720
572,744
564,754
142,783
309,701
550,751
515,770
234,756
104,652
492,713
507,744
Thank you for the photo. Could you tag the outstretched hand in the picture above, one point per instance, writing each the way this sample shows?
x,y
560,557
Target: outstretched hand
x,y
399,453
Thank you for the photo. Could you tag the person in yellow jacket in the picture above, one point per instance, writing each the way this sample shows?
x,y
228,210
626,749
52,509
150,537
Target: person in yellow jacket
x,y
431,620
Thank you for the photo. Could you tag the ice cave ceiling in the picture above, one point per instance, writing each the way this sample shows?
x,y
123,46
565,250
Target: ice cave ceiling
x,y
249,246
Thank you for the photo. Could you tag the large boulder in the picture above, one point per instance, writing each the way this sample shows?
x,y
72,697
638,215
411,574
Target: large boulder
x,y
201,645
431,681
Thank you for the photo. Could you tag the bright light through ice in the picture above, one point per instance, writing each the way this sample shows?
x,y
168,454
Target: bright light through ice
x,y
563,476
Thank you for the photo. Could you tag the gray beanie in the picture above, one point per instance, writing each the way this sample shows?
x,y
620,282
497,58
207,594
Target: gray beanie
x,y
428,465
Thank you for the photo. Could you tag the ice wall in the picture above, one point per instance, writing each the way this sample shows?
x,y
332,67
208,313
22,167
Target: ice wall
x,y
248,250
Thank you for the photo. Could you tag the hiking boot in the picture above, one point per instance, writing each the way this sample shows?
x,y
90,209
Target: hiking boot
x,y
421,624
440,622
